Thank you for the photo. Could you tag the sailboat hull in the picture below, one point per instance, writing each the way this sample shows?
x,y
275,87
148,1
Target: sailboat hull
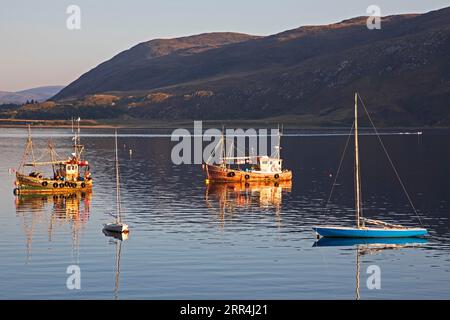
x,y
382,242
347,232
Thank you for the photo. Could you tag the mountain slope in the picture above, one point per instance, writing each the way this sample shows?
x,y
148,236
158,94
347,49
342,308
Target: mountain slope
x,y
307,75
38,94
129,69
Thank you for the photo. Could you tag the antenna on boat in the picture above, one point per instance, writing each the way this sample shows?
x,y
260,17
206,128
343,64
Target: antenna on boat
x,y
277,152
77,146
280,133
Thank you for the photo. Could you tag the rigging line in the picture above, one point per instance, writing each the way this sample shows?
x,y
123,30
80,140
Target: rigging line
x,y
340,165
391,162
214,152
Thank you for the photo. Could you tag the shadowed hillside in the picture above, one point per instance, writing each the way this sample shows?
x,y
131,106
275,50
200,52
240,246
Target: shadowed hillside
x,y
307,76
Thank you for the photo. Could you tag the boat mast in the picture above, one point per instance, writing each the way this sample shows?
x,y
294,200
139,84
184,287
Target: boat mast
x,y
77,146
75,142
279,141
119,209
28,150
223,147
30,141
357,169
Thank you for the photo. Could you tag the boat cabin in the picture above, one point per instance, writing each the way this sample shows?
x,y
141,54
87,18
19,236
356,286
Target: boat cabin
x,y
72,171
263,164
267,164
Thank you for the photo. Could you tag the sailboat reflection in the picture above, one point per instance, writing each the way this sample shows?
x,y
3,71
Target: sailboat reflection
x,y
230,196
117,238
365,246
63,209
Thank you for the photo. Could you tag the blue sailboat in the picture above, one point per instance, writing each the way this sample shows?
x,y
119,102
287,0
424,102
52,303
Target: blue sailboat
x,y
381,229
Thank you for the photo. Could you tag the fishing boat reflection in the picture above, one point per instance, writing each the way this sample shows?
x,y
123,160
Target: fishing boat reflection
x,y
225,198
116,239
369,246
52,211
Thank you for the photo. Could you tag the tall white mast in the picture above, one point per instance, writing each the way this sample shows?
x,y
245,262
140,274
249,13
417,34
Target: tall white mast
x,y
357,169
30,142
119,208
223,150
77,147
279,140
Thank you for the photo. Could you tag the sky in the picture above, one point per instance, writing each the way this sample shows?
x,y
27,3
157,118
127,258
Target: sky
x,y
37,48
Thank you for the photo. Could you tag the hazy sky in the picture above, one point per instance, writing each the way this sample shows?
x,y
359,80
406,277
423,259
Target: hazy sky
x,y
37,49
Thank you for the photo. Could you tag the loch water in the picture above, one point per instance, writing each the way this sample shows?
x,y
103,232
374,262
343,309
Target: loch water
x,y
190,240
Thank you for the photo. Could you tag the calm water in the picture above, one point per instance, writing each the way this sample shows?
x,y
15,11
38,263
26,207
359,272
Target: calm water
x,y
190,241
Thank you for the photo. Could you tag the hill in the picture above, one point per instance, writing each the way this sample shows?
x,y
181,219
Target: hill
x,y
39,94
306,75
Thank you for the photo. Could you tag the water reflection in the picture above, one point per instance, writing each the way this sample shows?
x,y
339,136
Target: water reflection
x,y
225,198
369,246
53,211
181,217
116,238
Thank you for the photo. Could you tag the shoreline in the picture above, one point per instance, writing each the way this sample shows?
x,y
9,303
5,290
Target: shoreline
x,y
189,124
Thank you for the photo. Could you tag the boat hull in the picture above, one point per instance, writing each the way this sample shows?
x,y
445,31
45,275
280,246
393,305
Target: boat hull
x,y
347,232
116,227
220,174
30,185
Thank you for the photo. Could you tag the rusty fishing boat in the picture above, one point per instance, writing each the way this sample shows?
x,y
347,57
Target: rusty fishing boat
x,y
251,168
66,175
